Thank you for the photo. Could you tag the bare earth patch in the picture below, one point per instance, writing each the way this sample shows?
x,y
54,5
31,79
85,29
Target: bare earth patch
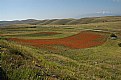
x,y
84,39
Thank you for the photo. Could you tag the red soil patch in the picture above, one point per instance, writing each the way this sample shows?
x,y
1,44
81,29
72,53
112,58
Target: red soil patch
x,y
81,40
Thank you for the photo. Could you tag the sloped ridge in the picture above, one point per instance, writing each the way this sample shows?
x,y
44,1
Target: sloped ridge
x,y
61,21
64,21
49,21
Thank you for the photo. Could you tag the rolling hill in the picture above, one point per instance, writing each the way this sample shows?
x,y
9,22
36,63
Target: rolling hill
x,y
59,50
64,21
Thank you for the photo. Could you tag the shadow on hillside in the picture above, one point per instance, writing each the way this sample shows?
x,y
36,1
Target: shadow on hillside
x,y
3,75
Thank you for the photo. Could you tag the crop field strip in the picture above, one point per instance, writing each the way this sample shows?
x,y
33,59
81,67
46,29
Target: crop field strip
x,y
80,40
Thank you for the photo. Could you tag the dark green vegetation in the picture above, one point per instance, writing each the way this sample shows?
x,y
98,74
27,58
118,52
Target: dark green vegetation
x,y
119,44
56,62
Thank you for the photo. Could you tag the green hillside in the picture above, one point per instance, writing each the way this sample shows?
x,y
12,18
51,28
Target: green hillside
x,y
60,22
65,21
21,61
82,20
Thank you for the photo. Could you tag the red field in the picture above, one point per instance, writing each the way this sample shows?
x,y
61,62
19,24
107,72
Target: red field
x,y
81,40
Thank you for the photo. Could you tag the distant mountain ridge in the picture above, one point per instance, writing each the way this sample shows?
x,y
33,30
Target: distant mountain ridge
x,y
63,21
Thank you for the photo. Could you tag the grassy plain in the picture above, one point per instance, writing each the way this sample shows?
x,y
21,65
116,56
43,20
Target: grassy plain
x,y
57,62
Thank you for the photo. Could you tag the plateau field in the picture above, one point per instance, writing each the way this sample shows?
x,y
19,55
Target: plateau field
x,y
61,49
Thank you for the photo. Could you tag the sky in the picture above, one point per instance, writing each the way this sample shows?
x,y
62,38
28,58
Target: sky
x,y
56,9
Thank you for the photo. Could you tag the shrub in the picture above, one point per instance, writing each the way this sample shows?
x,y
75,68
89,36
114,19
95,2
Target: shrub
x,y
2,38
119,44
113,35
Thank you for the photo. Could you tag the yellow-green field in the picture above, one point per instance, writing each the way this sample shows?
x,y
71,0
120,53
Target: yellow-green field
x,y
58,62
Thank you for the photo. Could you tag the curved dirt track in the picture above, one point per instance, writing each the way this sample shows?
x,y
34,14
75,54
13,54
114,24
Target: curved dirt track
x,y
80,40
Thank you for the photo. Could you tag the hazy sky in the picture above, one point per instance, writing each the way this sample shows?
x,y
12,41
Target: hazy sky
x,y
49,9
